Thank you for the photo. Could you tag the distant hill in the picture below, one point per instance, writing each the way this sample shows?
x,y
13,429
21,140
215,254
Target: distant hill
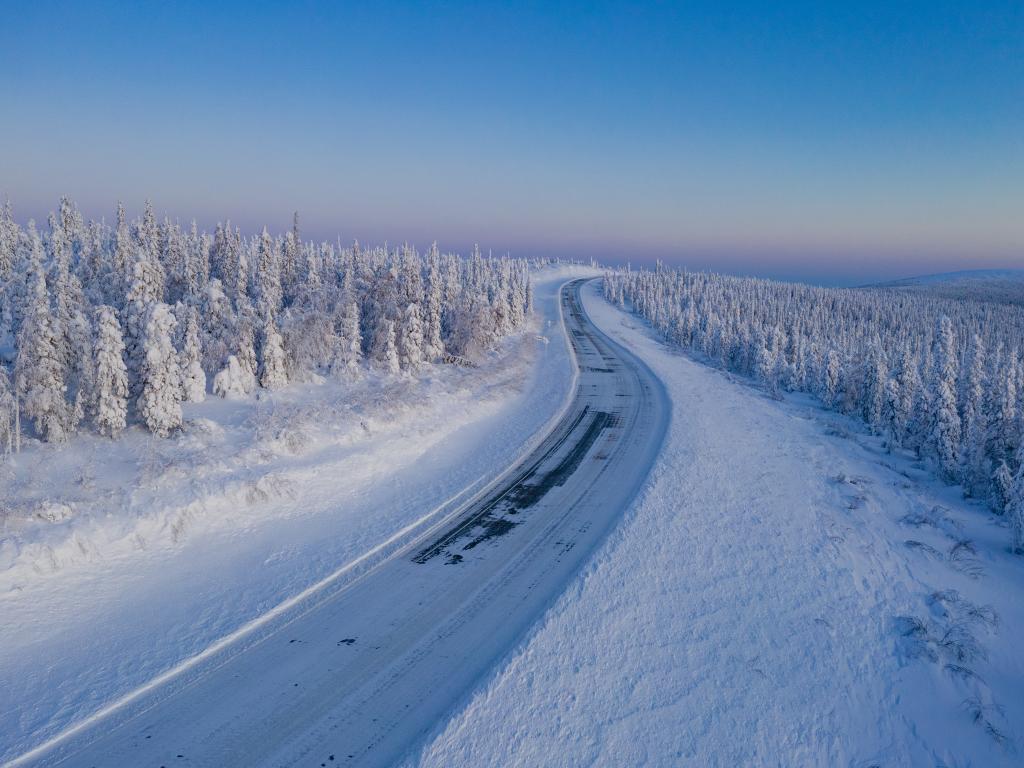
x,y
1004,286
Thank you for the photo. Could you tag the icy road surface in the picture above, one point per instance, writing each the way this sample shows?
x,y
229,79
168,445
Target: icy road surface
x,y
360,675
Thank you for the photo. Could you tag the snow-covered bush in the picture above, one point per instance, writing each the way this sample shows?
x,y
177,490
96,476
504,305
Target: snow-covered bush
x,y
232,381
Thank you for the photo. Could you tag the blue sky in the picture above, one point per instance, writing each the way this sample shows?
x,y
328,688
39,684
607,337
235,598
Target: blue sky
x,y
835,142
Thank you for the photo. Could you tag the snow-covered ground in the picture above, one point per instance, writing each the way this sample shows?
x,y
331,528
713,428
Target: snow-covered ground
x,y
120,560
782,593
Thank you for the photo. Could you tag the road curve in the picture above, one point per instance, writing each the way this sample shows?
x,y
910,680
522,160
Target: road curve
x,y
362,675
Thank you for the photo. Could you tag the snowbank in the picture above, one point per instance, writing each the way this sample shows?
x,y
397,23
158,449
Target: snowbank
x,y
783,593
121,559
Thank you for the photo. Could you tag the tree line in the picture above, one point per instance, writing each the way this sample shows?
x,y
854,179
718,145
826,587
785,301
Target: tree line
x,y
104,325
941,377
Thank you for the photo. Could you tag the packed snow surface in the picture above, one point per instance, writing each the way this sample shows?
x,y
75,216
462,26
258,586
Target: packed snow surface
x,y
782,593
120,560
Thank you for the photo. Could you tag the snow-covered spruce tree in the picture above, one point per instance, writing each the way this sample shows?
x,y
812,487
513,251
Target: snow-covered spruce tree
x,y
516,300
410,282
218,325
197,264
349,351
174,257
433,344
268,277
1004,424
945,433
159,403
1002,487
291,250
67,305
237,279
1015,507
245,349
273,365
145,290
8,416
976,470
193,377
500,310
109,398
384,352
19,290
876,375
410,339
908,385
8,242
39,369
765,361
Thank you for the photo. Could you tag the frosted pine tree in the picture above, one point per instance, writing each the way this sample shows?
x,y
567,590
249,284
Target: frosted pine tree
x,y
237,279
1015,507
8,241
384,351
268,277
273,364
146,289
197,264
876,375
159,403
410,339
908,384
1003,424
193,378
893,421
972,410
110,382
499,307
218,326
433,346
8,416
765,361
39,370
945,434
245,349
1002,486
349,351
516,301
21,288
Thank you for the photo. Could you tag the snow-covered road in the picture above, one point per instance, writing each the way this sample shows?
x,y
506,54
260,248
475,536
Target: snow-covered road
x,y
355,675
